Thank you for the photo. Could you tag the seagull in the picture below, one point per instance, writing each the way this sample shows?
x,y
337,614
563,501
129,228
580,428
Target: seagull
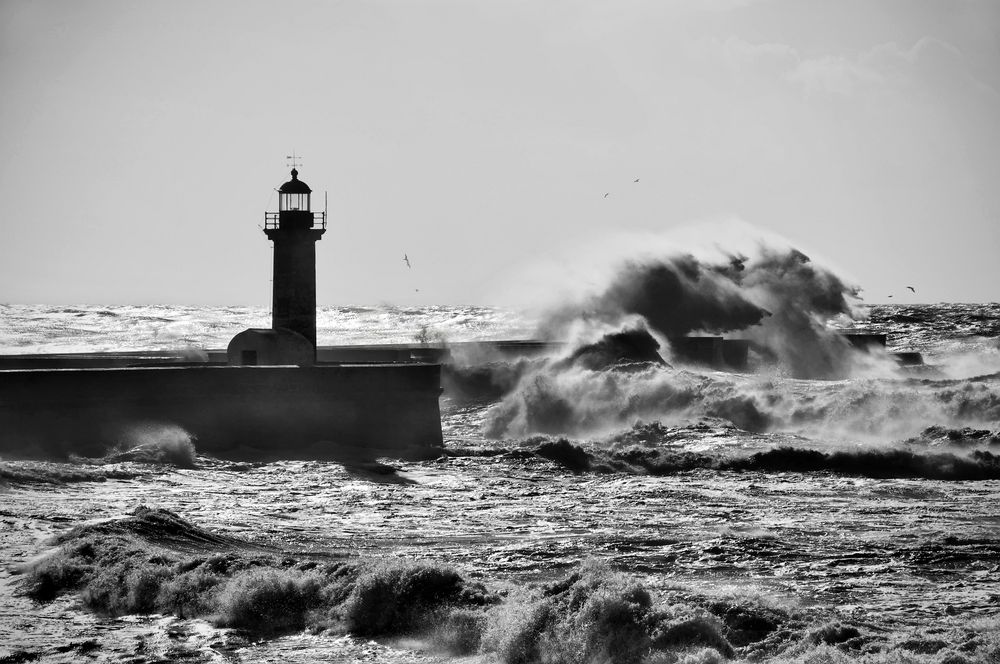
x,y
606,195
406,259
912,289
635,180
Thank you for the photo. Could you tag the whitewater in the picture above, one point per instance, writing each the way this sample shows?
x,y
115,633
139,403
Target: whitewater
x,y
594,504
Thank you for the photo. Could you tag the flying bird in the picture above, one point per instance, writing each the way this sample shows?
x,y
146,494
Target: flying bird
x,y
635,180
406,259
912,289
607,194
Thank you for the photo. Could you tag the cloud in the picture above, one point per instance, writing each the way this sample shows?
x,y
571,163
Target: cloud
x,y
740,55
727,5
928,62
833,75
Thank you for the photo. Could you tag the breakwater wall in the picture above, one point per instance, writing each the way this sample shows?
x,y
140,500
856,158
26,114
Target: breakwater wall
x,y
330,411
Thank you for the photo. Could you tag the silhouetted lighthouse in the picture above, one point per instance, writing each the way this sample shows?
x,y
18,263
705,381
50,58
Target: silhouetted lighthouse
x,y
294,229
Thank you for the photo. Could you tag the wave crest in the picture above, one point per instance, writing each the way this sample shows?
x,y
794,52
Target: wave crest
x,y
896,463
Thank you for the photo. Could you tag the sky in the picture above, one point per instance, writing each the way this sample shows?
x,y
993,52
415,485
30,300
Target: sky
x,y
142,141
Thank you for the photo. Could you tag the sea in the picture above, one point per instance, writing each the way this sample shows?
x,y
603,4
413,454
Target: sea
x,y
593,503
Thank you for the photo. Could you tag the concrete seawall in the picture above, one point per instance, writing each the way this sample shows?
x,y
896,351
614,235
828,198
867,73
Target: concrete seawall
x,y
233,412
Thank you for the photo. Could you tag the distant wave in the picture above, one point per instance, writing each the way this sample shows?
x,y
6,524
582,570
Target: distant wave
x,y
914,323
33,328
158,527
964,436
20,473
893,463
875,463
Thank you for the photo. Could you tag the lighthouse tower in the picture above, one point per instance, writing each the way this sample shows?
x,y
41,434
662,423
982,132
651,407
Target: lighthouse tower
x,y
294,229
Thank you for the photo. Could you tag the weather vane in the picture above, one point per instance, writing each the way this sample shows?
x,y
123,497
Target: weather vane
x,y
294,161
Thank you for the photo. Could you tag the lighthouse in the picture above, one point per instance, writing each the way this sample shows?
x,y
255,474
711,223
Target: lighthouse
x,y
294,229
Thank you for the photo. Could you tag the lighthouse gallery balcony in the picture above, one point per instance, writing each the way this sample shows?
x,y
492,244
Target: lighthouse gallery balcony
x,y
272,220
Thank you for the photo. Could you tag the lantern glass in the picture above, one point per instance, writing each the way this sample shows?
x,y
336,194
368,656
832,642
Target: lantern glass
x,y
294,202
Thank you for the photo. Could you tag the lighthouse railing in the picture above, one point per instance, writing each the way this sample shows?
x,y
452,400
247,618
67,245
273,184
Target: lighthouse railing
x,y
272,220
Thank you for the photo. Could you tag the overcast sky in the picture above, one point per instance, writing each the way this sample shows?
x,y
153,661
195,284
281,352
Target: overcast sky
x,y
141,142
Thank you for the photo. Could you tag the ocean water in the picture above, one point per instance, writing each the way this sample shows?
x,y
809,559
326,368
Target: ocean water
x,y
594,505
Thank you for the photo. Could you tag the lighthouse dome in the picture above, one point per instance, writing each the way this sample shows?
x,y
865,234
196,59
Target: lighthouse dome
x,y
295,185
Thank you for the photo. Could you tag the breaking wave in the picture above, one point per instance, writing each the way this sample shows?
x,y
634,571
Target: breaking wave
x,y
579,401
151,443
779,299
138,446
166,444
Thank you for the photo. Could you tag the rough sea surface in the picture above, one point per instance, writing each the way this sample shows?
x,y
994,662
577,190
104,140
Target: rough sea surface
x,y
587,510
